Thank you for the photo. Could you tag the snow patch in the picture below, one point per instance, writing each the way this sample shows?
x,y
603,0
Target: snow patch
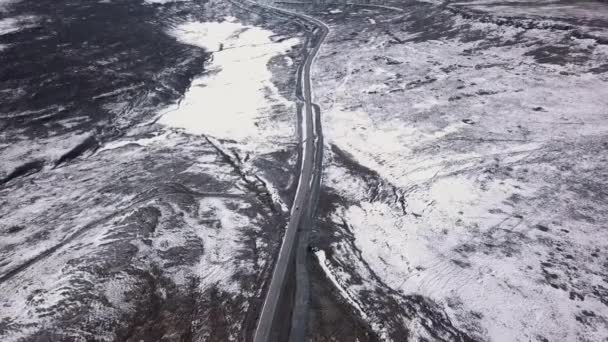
x,y
10,25
229,100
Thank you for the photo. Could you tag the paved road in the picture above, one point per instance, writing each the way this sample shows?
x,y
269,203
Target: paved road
x,y
290,268
301,210
284,311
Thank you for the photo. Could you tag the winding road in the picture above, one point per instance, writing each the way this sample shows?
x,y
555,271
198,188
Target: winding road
x,y
284,313
278,301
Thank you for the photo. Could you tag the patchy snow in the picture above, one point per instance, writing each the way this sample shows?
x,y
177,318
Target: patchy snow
x,y
19,152
4,4
156,138
465,185
162,2
326,269
274,194
88,209
588,10
331,275
159,216
219,265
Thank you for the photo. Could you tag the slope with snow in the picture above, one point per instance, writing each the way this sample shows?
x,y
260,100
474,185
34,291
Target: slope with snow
x,y
152,207
465,183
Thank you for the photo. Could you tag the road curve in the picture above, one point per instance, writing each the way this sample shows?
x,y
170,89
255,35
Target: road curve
x,y
301,210
284,311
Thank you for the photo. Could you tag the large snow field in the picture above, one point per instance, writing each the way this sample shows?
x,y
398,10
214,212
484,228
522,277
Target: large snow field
x,y
234,99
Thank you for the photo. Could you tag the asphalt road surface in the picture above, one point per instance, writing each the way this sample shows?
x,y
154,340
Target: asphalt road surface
x,y
270,325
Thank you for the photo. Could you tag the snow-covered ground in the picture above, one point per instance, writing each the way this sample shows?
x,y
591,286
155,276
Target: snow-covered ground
x,y
93,230
564,10
234,99
235,102
14,24
163,225
9,25
467,166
